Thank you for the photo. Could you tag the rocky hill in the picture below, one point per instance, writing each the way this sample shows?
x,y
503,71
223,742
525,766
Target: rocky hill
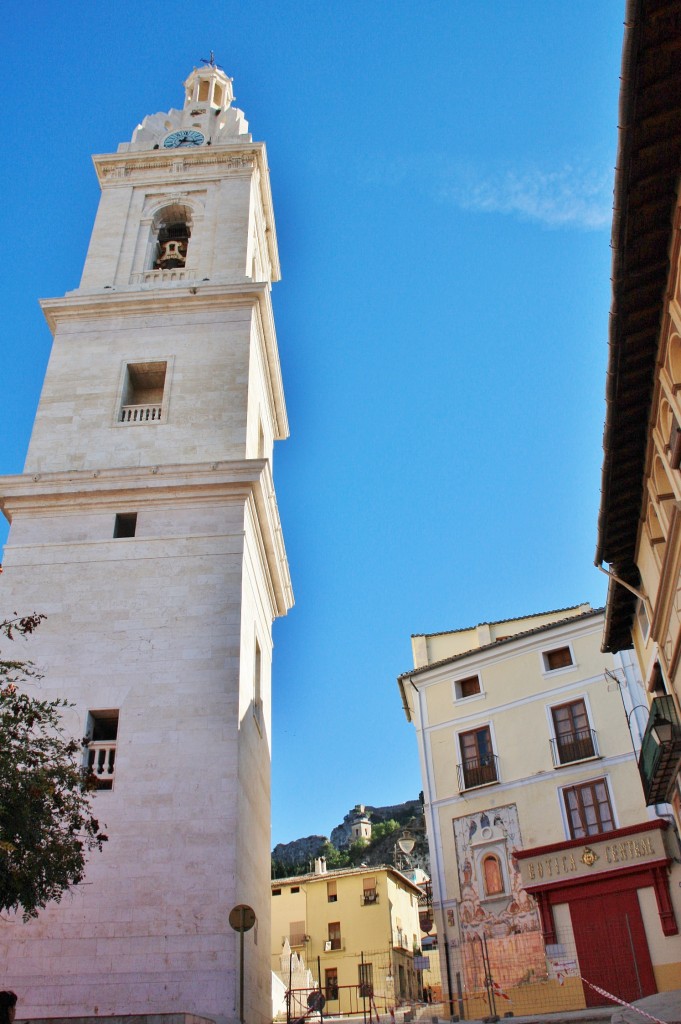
x,y
299,855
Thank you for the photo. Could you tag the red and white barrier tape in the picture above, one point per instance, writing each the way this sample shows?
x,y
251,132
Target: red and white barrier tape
x,y
621,1002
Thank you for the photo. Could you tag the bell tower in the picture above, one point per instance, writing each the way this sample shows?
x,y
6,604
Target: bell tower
x,y
145,526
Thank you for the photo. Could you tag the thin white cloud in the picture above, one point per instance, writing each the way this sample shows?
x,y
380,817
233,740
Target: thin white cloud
x,y
570,197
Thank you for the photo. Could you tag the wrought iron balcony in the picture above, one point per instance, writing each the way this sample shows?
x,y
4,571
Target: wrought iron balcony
x,y
478,771
574,746
660,756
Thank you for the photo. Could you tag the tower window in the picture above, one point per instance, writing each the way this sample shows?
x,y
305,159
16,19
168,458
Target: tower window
x,y
125,524
171,234
100,750
143,392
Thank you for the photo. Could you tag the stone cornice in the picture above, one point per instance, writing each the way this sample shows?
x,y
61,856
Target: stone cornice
x,y
247,480
194,298
115,169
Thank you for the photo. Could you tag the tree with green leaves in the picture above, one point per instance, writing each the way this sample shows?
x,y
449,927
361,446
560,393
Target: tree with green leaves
x,y
46,823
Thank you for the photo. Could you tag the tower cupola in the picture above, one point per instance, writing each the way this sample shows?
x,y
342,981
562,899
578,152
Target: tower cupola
x,y
208,86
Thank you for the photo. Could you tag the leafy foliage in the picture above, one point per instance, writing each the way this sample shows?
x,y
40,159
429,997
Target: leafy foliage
x,y
46,821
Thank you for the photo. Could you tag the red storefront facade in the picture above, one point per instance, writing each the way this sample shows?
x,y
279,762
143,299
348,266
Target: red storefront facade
x,y
599,880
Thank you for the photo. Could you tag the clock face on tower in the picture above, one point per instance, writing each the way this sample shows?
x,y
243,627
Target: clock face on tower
x,y
185,137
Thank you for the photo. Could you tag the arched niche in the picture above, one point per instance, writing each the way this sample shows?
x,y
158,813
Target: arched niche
x,y
654,526
664,492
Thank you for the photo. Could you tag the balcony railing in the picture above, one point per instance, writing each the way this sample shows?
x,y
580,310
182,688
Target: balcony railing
x,y
574,746
141,413
660,756
101,762
297,939
478,771
369,896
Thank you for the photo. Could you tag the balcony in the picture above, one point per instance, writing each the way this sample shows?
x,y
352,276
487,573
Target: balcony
x,y
369,897
478,771
660,756
574,746
297,939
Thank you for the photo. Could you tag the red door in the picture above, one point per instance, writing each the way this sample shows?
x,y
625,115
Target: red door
x,y
612,946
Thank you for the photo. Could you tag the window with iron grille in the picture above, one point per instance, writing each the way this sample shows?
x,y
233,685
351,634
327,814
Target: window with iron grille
x,y
366,980
477,757
574,736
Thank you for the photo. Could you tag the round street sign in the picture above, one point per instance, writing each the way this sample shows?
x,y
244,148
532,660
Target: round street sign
x,y
316,1001
242,917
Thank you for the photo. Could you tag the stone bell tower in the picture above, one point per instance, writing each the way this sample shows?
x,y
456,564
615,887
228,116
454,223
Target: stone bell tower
x,y
145,527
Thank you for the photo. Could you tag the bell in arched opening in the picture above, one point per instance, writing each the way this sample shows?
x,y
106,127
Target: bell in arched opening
x,y
172,246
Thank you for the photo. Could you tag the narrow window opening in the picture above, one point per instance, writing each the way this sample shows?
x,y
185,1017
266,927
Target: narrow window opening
x,y
100,747
366,980
143,392
334,940
125,524
203,91
331,983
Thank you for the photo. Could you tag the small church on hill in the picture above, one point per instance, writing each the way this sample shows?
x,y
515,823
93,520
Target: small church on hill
x,y
145,526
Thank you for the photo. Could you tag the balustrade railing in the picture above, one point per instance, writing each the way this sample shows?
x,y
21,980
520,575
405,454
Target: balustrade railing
x,y
101,762
141,413
574,746
478,771
157,277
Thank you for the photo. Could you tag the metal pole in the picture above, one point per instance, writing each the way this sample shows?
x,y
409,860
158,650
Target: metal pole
x,y
319,979
241,965
362,987
288,994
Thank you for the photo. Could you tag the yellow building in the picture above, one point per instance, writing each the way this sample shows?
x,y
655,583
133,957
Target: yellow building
x,y
639,530
356,930
546,866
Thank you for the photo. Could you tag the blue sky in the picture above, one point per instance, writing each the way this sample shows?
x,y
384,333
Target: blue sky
x,y
442,178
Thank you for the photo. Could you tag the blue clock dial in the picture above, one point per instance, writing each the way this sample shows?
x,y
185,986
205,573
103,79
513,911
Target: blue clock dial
x,y
185,137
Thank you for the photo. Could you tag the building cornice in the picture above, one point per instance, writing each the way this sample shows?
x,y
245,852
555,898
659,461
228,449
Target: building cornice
x,y
248,480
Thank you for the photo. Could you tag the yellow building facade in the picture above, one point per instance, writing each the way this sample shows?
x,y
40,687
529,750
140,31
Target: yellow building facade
x,y
527,737
357,932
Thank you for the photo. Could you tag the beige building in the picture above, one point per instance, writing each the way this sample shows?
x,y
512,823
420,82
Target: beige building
x,y
145,526
528,763
356,929
639,531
